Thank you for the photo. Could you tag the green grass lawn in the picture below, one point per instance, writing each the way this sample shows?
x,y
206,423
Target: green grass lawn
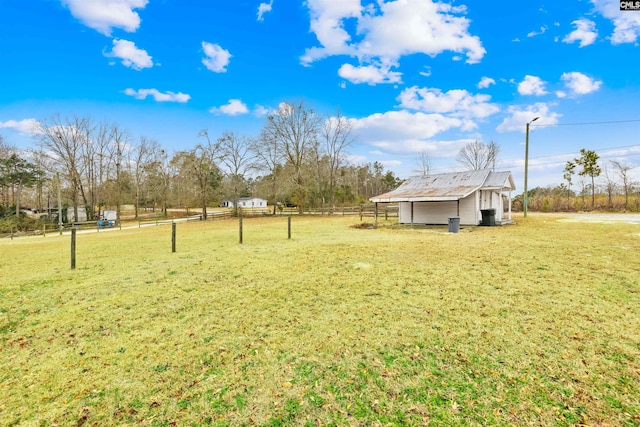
x,y
536,323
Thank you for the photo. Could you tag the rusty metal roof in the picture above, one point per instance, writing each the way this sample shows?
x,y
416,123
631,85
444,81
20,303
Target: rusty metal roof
x,y
499,181
447,186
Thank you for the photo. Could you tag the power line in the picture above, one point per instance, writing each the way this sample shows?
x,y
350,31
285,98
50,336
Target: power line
x,y
512,162
562,162
585,123
573,153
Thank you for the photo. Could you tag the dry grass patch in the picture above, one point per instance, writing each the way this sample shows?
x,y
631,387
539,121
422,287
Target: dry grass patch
x,y
536,323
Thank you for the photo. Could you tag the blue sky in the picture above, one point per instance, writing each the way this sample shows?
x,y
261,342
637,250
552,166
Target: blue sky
x,y
411,75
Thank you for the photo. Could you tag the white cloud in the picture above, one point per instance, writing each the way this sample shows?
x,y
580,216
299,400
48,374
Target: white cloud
x,y
131,56
580,84
370,74
104,15
417,26
627,24
327,24
520,116
264,8
157,95
234,107
585,33
537,33
260,111
485,82
25,126
390,163
216,59
403,128
386,31
532,85
457,102
426,72
435,148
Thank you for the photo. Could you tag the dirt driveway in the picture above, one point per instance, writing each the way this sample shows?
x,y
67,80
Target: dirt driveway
x,y
601,218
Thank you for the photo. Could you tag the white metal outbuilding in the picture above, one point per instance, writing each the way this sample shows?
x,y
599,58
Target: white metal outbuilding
x,y
433,199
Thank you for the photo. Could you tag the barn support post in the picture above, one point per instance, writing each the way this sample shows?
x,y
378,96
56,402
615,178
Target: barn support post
x,y
376,214
509,205
458,209
412,214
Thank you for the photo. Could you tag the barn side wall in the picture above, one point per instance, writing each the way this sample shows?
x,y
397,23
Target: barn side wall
x,y
439,212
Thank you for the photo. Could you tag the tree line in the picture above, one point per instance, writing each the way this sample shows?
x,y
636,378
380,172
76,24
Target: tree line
x,y
299,158
615,189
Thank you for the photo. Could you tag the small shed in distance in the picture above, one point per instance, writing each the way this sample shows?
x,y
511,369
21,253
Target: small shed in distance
x,y
432,199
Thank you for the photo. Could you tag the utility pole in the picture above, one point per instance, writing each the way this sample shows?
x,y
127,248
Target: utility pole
x,y
526,166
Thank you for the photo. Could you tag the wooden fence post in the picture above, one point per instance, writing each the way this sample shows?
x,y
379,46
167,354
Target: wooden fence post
x,y
73,248
289,226
240,229
173,237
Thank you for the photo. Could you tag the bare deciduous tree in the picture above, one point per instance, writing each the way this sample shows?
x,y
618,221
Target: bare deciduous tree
x,y
64,140
158,178
623,171
294,128
609,185
423,162
140,156
205,170
268,158
477,155
336,135
236,161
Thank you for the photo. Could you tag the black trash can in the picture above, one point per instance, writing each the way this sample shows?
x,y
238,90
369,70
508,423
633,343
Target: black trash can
x,y
454,224
488,217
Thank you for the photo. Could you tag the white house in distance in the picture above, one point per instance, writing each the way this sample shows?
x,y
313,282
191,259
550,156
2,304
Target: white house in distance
x,y
433,199
246,202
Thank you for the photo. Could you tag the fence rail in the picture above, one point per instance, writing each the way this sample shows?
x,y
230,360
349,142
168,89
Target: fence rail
x,y
388,211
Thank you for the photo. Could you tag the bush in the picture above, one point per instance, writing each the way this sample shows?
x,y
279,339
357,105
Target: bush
x,y
23,223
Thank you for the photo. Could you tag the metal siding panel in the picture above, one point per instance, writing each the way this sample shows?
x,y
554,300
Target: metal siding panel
x,y
404,213
468,210
434,212
499,206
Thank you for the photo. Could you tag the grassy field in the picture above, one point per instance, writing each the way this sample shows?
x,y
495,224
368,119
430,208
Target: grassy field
x,y
536,323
